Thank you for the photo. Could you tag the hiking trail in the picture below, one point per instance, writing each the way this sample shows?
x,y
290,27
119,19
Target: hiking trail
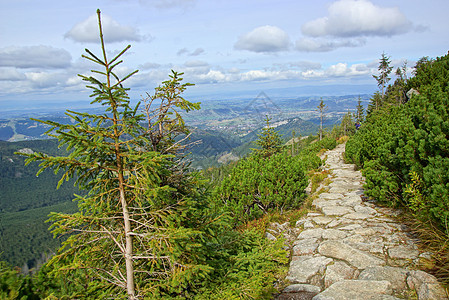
x,y
353,249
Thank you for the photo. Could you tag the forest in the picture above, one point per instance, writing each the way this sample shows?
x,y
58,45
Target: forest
x,y
148,226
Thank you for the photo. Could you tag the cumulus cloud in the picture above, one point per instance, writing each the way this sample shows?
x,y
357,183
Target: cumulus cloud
x,y
35,57
320,45
11,74
352,18
264,39
338,70
87,31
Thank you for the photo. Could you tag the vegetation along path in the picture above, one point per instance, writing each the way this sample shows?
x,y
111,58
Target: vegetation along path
x,y
352,249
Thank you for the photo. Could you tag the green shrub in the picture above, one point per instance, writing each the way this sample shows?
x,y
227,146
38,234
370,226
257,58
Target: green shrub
x,y
410,139
259,184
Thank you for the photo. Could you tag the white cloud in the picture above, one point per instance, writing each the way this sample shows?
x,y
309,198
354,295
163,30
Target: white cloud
x,y
43,57
11,74
87,31
320,45
197,52
339,70
264,39
352,18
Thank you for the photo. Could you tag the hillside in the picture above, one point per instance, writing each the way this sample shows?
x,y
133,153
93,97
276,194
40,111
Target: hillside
x,y
26,201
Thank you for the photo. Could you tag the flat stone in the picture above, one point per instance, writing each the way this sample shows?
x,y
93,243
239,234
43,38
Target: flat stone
x,y
351,201
334,223
305,246
353,256
338,190
334,234
308,224
371,231
351,227
313,214
302,287
357,290
304,267
337,272
320,203
336,210
321,220
403,252
427,286
311,233
358,216
371,247
396,276
365,210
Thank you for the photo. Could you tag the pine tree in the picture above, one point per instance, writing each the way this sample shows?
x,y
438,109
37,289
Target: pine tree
x,y
360,112
269,140
321,109
132,229
384,70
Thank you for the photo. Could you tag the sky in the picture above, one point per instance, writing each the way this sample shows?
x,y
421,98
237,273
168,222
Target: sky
x,y
222,46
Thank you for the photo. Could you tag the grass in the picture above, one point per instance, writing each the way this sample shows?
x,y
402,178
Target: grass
x,y
434,240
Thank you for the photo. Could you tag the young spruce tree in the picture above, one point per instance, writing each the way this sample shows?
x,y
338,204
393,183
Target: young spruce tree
x,y
131,235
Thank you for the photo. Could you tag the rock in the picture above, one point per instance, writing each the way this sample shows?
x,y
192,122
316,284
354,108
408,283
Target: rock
x,y
427,286
365,210
336,210
305,246
311,233
358,216
308,224
334,234
396,276
304,267
301,287
403,252
337,272
321,220
357,290
351,227
353,256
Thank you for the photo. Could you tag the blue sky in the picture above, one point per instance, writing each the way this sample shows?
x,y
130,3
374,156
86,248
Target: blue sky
x,y
220,45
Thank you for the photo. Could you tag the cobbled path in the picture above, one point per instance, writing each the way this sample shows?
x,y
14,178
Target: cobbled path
x,y
352,249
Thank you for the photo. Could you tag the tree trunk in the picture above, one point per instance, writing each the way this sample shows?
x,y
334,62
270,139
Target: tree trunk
x,y
130,288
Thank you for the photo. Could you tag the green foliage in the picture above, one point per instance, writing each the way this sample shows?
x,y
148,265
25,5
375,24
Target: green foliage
x,y
13,285
135,229
260,184
384,70
254,264
146,228
269,141
404,150
360,112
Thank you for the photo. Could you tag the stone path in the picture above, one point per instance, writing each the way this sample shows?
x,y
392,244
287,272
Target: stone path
x,y
352,249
